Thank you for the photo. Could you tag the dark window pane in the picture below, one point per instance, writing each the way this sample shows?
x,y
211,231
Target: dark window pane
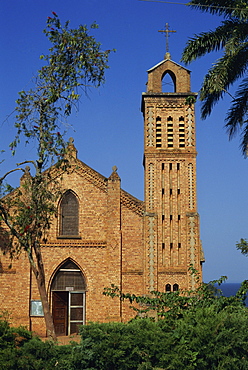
x,y
175,287
77,299
69,214
75,326
77,313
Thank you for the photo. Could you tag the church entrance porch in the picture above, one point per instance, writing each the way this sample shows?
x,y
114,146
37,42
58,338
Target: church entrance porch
x,y
68,299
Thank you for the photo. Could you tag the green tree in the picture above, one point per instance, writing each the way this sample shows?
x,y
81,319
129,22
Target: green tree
x,y
75,62
242,246
231,37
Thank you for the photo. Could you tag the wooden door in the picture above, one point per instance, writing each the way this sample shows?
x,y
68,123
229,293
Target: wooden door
x,y
60,312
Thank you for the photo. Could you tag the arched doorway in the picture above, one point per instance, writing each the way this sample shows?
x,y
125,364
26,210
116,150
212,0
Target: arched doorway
x,y
68,299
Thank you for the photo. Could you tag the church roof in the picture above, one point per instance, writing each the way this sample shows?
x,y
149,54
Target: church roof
x,y
166,60
94,177
101,182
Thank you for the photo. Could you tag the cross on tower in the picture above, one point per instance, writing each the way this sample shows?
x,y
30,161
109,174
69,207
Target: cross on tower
x,y
167,34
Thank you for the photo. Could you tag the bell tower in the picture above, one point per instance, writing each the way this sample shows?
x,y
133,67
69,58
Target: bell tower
x,y
171,221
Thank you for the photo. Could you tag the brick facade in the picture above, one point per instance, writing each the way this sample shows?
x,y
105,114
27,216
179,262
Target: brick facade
x,y
138,246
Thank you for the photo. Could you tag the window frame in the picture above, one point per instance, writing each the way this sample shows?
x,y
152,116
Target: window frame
x,y
60,234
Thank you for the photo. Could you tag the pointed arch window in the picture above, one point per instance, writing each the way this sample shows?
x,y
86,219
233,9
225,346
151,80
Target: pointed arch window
x,y
68,278
168,82
175,287
69,215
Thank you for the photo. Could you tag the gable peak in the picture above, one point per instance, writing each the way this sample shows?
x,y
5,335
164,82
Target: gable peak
x,y
179,75
71,149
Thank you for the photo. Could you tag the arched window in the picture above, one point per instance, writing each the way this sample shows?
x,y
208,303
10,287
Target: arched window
x,y
69,215
167,288
68,277
175,287
168,82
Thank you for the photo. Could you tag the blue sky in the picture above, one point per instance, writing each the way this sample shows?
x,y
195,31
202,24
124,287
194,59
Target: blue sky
x,y
108,129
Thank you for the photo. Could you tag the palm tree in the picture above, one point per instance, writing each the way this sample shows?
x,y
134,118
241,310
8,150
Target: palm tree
x,y
232,38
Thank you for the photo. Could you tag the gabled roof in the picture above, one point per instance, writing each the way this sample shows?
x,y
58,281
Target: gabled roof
x,y
166,60
100,181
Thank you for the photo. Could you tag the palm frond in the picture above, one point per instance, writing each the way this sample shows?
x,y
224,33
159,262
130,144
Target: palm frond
x,y
244,142
225,72
209,102
237,114
207,42
227,8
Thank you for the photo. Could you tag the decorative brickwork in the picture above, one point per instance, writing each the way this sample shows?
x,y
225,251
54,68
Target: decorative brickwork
x,y
191,187
132,203
191,133
151,185
150,127
151,253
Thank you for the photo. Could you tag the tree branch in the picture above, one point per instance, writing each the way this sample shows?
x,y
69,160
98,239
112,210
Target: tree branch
x,y
7,173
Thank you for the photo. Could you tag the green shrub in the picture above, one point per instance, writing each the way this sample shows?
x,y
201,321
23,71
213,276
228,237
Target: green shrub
x,y
6,336
135,345
12,337
209,339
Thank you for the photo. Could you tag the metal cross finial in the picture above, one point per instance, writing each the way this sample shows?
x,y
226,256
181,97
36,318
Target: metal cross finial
x,y
167,34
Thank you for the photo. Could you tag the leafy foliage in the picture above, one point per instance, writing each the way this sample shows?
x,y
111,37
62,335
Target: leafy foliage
x,y
201,328
208,338
12,337
232,38
136,345
190,100
19,350
243,246
175,304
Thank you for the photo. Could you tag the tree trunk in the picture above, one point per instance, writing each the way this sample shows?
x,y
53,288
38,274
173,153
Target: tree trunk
x,y
47,313
39,273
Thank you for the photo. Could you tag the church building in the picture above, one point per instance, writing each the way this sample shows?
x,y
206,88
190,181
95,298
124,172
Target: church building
x,y
103,235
